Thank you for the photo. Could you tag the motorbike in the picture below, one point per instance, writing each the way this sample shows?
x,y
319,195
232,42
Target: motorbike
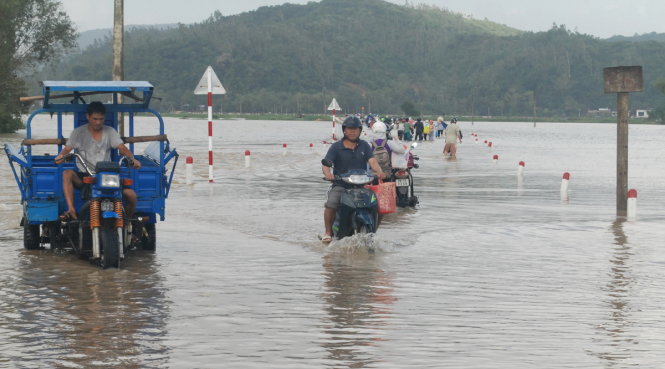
x,y
404,180
357,212
101,233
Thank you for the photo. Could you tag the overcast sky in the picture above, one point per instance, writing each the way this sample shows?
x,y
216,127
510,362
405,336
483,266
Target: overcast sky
x,y
600,18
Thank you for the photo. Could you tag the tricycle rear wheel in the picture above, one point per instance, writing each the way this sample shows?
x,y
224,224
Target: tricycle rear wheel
x,y
31,236
149,237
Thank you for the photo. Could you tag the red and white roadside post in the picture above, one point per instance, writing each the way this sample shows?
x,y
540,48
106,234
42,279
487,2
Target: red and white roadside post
x,y
631,204
564,185
520,169
189,163
334,106
209,84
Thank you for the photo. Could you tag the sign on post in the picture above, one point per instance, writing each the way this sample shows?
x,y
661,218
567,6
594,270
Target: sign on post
x,y
334,106
209,84
622,80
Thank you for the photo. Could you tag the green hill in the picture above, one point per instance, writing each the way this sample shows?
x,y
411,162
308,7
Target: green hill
x,y
376,55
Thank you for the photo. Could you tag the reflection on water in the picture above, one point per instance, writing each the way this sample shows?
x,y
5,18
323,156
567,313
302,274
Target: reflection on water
x,y
58,311
358,296
616,330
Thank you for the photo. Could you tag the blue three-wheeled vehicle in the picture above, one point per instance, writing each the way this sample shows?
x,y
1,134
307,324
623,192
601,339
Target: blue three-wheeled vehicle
x,y
102,232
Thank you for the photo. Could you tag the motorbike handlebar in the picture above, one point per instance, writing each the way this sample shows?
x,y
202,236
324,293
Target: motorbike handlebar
x,y
130,162
68,157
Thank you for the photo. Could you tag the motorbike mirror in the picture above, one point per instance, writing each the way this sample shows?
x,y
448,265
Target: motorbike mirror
x,y
327,163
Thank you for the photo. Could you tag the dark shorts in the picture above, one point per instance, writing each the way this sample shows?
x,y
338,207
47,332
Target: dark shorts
x,y
82,175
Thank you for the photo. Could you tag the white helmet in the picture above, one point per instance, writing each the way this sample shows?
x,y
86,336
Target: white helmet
x,y
379,128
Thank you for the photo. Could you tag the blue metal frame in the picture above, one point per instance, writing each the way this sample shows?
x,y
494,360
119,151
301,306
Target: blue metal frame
x,y
32,176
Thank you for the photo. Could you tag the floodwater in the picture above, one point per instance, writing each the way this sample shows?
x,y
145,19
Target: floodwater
x,y
491,271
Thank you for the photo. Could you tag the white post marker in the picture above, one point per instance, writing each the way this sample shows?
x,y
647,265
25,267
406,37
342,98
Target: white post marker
x,y
189,163
209,84
247,158
284,147
520,169
631,210
334,106
564,185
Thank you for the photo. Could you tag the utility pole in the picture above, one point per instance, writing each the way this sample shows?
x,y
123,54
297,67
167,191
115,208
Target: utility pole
x,y
118,50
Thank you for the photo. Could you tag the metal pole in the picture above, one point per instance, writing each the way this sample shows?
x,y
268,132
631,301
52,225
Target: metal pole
x,y
622,152
118,51
210,174
333,131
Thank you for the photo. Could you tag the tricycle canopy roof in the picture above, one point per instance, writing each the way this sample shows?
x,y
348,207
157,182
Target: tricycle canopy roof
x,y
138,92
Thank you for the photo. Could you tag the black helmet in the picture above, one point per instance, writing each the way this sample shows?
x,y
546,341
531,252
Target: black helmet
x,y
352,122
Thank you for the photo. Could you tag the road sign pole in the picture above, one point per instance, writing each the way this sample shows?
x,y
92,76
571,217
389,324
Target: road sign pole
x,y
622,152
622,80
210,171
209,85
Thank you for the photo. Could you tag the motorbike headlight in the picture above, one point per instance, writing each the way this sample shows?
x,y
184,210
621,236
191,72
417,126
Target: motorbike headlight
x,y
110,180
358,179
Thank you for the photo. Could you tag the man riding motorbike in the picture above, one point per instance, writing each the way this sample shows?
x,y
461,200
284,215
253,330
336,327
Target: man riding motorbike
x,y
94,142
346,154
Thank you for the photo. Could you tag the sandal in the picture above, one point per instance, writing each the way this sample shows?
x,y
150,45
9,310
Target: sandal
x,y
326,239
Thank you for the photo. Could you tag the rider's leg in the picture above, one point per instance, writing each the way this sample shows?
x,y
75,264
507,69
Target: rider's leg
x,y
334,196
328,219
130,201
70,179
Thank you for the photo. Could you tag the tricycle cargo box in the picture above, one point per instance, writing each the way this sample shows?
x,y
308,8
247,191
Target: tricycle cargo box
x,y
41,210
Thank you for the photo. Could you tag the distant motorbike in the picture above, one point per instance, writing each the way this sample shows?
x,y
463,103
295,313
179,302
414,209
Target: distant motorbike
x,y
404,180
358,209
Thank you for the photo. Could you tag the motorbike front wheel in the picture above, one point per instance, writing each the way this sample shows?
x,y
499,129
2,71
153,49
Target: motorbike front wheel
x,y
110,247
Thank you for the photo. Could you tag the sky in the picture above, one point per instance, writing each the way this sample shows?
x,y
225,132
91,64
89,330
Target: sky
x,y
600,18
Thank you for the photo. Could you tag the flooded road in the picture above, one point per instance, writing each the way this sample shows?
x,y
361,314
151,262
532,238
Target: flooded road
x,y
489,272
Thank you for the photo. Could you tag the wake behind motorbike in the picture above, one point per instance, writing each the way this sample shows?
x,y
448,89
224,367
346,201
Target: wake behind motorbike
x,y
357,212
404,180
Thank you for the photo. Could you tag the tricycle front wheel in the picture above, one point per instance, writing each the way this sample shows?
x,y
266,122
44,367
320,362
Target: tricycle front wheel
x,y
110,247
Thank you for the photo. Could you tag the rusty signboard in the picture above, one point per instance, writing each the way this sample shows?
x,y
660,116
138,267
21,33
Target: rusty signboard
x,y
623,79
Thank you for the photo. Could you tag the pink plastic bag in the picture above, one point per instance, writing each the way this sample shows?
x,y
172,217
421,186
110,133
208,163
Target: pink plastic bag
x,y
386,194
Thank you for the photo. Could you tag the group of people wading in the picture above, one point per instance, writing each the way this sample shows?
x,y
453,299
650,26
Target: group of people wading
x,y
409,129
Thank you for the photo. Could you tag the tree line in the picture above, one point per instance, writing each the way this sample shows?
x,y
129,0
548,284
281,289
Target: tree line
x,y
373,56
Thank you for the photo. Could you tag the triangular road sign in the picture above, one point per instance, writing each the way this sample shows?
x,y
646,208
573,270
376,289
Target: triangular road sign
x,y
334,105
202,86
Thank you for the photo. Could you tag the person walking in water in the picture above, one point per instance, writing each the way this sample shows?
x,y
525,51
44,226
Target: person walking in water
x,y
440,126
452,133
419,126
